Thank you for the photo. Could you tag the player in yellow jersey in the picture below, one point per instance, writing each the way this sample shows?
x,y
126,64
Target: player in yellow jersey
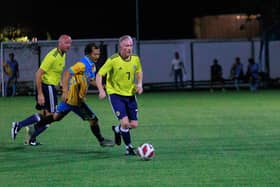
x,y
48,77
123,81
75,85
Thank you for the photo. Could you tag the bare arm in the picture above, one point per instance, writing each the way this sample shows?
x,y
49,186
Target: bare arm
x,y
93,82
40,95
99,85
65,80
139,78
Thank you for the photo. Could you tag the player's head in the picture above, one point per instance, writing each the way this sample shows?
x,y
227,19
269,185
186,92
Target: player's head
x,y
125,46
215,61
177,56
64,43
92,51
251,60
11,55
237,60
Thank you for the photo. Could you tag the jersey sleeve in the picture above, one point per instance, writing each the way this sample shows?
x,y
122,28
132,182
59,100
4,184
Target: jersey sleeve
x,y
47,62
106,67
77,68
139,66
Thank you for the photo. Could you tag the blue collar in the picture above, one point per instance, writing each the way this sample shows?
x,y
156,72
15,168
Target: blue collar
x,y
90,67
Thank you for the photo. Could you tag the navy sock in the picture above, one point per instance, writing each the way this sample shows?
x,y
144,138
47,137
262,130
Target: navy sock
x,y
28,121
37,132
126,136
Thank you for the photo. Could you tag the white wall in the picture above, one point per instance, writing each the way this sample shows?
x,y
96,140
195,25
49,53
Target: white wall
x,y
156,56
156,59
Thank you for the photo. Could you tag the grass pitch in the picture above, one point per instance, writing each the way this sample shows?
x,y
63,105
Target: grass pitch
x,y
200,139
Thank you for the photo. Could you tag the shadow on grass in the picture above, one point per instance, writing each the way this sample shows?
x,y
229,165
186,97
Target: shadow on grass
x,y
28,157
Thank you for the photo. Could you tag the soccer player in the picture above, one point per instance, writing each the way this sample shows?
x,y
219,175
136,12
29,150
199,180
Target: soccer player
x,y
122,69
74,90
47,78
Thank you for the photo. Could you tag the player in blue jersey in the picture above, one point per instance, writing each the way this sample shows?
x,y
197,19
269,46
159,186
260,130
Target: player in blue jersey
x,y
74,89
121,70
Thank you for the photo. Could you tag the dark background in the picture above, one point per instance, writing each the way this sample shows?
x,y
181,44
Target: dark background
x,y
113,18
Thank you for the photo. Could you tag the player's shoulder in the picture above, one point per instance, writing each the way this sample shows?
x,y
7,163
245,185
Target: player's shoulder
x,y
79,64
53,52
134,55
114,56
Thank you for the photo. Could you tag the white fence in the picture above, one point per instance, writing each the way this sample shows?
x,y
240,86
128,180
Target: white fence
x,y
156,56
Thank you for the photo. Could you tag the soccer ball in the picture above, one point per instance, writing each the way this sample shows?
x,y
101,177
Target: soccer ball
x,y
146,151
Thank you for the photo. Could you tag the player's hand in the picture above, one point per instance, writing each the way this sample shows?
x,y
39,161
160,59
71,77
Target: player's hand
x,y
41,99
102,94
64,96
139,89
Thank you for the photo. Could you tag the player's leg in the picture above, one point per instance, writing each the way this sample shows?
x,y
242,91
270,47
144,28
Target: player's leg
x,y
117,134
87,114
222,83
47,109
116,104
176,77
42,125
181,78
132,114
8,88
16,126
122,106
125,133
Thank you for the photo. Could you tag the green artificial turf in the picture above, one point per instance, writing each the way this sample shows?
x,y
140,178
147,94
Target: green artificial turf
x,y
200,139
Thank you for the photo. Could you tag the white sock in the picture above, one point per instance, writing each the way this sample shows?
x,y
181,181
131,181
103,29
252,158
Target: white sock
x,y
117,129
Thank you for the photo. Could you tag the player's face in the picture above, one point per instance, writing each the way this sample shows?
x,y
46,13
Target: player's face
x,y
126,48
95,55
65,44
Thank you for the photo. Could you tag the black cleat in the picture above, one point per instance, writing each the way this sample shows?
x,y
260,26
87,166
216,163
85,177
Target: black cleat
x,y
107,143
130,152
118,139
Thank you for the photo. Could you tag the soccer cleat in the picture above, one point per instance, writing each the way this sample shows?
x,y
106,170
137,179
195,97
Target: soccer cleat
x,y
118,139
32,143
130,152
107,143
14,130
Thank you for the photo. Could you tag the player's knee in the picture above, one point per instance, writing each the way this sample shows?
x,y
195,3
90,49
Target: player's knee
x,y
133,125
58,116
94,121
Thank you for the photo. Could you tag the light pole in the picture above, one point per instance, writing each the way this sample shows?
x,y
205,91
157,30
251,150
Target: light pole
x,y
137,27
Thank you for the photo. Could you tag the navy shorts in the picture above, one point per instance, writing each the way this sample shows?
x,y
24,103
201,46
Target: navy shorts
x,y
50,95
124,106
82,110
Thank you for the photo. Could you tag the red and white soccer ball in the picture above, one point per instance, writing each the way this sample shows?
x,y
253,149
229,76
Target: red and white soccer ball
x,y
146,151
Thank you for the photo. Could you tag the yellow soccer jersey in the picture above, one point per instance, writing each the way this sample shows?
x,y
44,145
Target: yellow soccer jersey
x,y
7,69
53,65
121,74
78,84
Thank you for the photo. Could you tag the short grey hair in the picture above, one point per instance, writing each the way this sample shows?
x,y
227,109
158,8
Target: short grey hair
x,y
124,37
